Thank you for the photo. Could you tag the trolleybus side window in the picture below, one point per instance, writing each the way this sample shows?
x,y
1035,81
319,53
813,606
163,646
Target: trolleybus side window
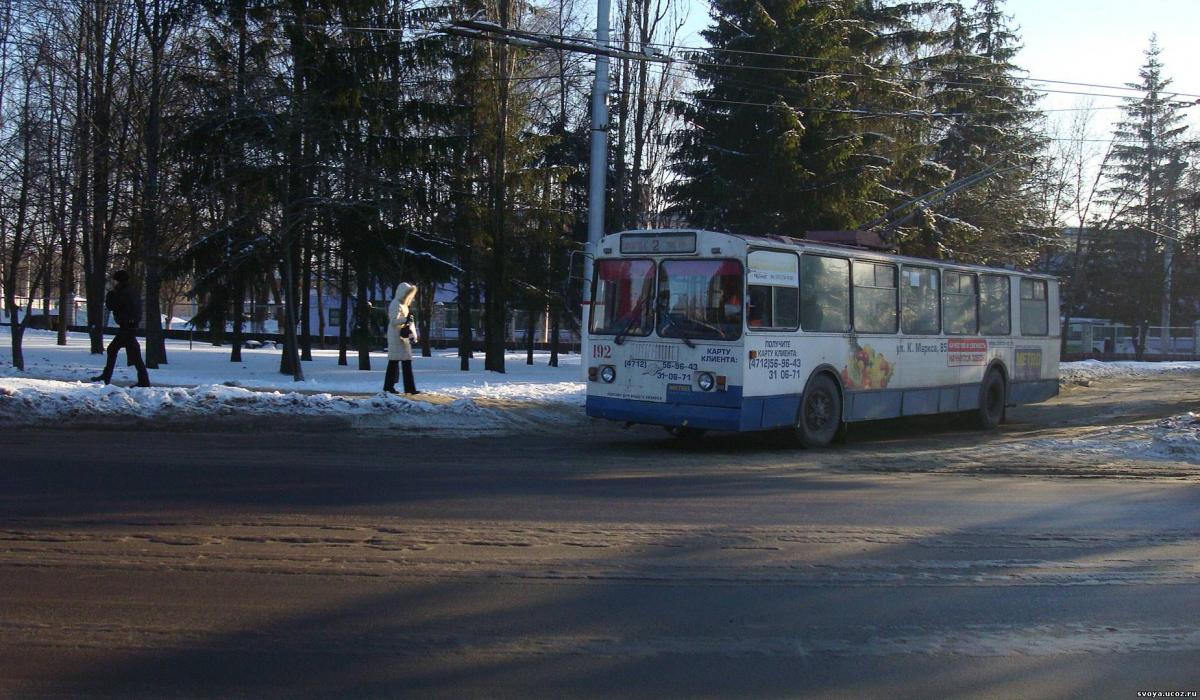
x,y
1034,308
824,294
622,297
960,303
874,297
773,290
700,299
919,300
995,305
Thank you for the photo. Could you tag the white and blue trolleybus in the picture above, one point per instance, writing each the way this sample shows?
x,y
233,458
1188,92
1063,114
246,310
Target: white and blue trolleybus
x,y
697,330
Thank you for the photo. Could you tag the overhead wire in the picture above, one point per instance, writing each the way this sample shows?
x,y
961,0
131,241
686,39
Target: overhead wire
x,y
856,62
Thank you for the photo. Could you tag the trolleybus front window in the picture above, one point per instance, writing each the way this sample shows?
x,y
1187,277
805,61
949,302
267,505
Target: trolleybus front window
x,y
700,299
621,301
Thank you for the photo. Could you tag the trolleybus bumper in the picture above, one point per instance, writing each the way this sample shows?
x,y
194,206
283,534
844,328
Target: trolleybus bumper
x,y
669,414
721,411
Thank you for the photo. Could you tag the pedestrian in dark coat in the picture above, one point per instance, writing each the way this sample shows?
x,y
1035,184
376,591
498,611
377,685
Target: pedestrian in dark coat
x,y
122,300
401,334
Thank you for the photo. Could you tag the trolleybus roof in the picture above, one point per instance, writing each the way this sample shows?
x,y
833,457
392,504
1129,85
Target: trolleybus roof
x,y
839,247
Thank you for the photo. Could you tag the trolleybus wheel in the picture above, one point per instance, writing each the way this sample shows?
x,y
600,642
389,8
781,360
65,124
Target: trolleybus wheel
x,y
684,432
820,413
991,401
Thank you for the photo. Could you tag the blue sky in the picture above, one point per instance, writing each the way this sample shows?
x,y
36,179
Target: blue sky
x,y
1102,41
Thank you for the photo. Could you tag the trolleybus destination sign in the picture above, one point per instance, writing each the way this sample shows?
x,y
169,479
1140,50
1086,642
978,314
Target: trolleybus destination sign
x,y
664,242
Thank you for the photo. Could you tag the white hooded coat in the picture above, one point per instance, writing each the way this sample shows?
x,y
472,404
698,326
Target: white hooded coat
x,y
400,348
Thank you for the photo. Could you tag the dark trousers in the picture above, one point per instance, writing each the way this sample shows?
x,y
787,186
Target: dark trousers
x,y
391,374
126,339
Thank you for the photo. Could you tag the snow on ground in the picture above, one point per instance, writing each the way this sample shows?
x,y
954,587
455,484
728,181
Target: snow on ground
x,y
199,379
1174,439
1089,370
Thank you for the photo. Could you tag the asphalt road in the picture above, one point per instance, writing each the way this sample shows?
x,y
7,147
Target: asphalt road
x,y
919,560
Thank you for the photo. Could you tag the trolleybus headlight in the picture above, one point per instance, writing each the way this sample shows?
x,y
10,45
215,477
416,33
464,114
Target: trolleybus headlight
x,y
608,373
706,381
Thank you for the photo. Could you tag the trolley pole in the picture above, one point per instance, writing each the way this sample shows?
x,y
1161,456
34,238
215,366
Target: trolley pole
x,y
598,167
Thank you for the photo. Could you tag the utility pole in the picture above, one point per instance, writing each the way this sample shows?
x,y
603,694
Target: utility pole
x,y
598,166
1173,172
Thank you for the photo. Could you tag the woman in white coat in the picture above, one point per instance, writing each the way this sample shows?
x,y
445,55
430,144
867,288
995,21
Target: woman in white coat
x,y
401,334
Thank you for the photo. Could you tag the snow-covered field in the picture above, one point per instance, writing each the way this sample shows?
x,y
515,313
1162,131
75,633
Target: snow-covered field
x,y
200,380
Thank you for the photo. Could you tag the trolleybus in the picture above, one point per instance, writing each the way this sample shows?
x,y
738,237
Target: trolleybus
x,y
696,330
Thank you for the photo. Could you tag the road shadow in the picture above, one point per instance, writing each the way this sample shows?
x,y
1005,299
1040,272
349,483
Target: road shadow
x,y
851,623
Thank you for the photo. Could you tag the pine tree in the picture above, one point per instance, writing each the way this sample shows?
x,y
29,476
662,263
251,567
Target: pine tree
x,y
800,123
991,129
1147,170
230,156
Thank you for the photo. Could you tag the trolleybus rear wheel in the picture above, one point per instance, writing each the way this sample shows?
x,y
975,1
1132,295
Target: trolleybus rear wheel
x,y
820,413
991,401
684,432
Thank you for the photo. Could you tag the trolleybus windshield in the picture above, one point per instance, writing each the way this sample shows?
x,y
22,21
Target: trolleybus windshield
x,y
700,299
621,301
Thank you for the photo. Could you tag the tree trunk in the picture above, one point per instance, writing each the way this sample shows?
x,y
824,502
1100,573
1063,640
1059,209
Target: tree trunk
x,y
625,78
425,317
66,285
156,347
362,317
530,329
218,308
56,199
306,252
239,318
496,306
322,265
20,237
306,298
466,335
636,203
344,309
554,326
96,264
291,359
289,363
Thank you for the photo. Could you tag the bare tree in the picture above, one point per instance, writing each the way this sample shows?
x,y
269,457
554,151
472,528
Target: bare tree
x,y
21,235
156,19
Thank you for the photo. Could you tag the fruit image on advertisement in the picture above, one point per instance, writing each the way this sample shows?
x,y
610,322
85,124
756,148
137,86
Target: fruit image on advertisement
x,y
867,369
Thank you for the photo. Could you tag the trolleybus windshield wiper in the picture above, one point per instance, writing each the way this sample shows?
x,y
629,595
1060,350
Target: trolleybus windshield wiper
x,y
635,315
678,329
669,321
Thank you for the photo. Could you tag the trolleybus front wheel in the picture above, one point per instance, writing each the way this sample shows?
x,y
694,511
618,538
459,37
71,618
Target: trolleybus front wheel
x,y
820,413
991,401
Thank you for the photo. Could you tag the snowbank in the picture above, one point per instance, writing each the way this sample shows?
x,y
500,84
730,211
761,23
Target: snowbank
x,y
200,380
1091,370
49,403
200,364
1175,439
